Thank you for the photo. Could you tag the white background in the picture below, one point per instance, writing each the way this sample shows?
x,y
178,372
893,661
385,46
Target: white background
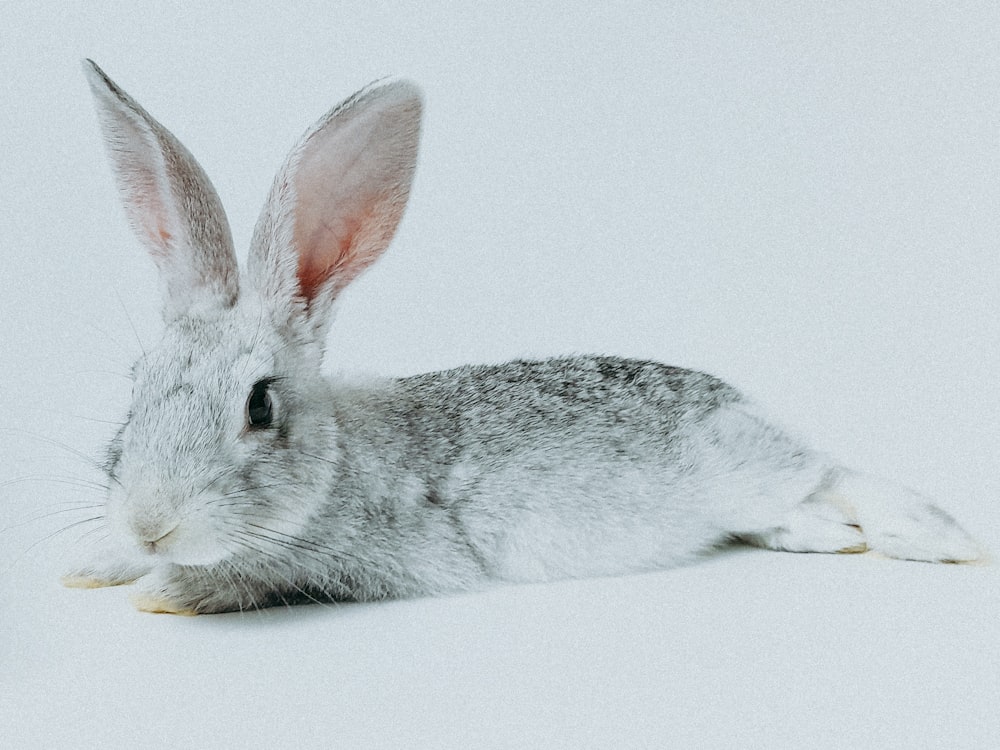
x,y
801,198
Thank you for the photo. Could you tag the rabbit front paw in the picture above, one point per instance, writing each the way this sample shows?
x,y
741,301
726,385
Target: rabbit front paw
x,y
105,568
163,591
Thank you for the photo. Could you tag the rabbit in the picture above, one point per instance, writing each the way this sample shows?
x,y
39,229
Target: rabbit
x,y
244,477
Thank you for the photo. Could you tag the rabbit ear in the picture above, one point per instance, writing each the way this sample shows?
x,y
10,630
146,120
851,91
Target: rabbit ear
x,y
170,203
337,201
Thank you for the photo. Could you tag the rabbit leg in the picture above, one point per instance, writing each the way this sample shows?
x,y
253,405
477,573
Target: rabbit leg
x,y
104,567
898,522
163,591
194,590
852,512
813,525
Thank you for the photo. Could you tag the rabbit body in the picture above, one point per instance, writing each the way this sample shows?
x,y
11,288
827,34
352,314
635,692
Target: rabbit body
x,y
530,471
244,477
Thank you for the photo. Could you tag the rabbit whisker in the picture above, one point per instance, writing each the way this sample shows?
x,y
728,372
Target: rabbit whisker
x,y
318,458
92,532
221,475
319,555
231,573
255,488
49,514
50,536
90,461
88,484
266,554
131,323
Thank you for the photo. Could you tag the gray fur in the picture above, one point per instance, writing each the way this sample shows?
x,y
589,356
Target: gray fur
x,y
443,482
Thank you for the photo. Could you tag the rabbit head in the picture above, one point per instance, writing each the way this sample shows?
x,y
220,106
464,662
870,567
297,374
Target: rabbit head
x,y
224,428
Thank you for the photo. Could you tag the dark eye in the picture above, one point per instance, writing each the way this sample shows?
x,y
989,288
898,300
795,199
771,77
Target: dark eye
x,y
259,405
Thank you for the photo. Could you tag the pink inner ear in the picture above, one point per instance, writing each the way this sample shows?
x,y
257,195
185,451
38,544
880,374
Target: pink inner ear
x,y
332,249
148,213
159,238
162,238
321,253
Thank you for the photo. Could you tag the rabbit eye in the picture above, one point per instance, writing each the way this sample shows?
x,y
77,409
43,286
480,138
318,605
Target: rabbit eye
x,y
259,405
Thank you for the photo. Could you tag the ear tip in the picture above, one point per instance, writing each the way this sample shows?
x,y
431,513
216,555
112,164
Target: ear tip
x,y
406,88
99,82
91,69
394,90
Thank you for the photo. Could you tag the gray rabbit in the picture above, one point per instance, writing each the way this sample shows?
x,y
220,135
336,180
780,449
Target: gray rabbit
x,y
245,478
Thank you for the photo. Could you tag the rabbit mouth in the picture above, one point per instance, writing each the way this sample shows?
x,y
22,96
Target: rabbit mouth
x,y
159,543
176,542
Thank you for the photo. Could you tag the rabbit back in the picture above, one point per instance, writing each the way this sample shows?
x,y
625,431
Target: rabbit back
x,y
567,467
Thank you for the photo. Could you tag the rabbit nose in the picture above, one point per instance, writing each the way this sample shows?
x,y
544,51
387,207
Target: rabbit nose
x,y
155,537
